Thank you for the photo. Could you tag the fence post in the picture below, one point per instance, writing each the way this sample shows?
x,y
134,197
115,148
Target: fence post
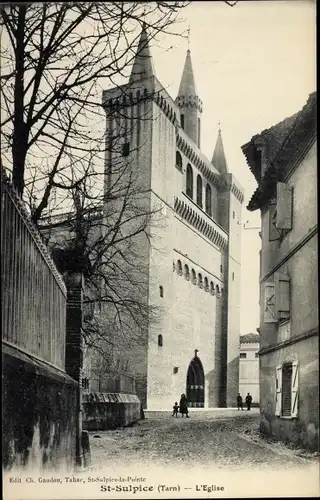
x,y
74,344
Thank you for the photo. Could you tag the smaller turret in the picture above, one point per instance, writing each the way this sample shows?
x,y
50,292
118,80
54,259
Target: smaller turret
x,y
189,103
219,158
143,65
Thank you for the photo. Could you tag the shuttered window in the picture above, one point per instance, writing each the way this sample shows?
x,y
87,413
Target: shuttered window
x,y
286,390
274,233
284,206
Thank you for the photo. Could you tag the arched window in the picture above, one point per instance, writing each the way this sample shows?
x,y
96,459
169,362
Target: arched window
x,y
160,340
208,200
200,283
212,288
186,272
199,190
193,277
189,186
178,160
179,268
161,291
218,292
206,284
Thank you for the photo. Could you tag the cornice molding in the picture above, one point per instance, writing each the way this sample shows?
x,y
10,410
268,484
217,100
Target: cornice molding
x,y
209,230
194,158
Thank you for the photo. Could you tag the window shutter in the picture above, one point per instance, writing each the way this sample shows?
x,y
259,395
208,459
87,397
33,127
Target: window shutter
x,y
269,303
282,295
284,206
274,233
295,389
278,390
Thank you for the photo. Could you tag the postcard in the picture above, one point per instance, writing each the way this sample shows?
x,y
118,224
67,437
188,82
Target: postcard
x,y
159,257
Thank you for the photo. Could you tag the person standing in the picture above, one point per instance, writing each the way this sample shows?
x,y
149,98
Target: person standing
x,y
248,401
175,409
184,406
239,402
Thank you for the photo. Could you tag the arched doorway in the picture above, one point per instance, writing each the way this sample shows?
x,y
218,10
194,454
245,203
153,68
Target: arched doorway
x,y
195,384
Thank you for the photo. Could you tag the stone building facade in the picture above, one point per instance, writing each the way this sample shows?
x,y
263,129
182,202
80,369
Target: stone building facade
x,y
249,367
193,262
283,161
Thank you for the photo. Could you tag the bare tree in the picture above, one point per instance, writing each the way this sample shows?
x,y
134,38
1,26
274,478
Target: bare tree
x,y
55,60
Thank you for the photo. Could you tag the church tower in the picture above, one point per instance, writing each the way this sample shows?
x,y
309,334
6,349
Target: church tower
x,y
189,104
190,347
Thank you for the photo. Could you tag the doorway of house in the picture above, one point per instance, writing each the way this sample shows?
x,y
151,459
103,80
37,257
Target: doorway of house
x,y
195,384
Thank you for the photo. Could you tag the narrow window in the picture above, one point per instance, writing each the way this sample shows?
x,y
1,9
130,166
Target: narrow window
x,y
256,354
175,370
182,121
160,340
179,267
186,272
200,283
234,215
199,190
208,200
189,186
178,160
206,284
218,291
243,355
212,288
161,291
193,276
286,390
232,276
199,132
125,149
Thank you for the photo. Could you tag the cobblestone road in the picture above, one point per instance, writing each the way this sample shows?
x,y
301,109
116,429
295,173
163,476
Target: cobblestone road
x,y
215,438
216,453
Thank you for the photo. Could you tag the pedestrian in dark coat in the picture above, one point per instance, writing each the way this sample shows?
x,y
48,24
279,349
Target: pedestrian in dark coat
x,y
239,401
184,405
248,401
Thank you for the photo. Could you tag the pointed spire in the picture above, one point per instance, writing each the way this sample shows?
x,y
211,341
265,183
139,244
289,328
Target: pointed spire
x,y
187,85
219,157
143,66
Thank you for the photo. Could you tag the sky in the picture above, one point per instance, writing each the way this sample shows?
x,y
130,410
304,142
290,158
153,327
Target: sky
x,y
254,65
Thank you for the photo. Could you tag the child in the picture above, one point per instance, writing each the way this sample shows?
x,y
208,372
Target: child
x,y
175,409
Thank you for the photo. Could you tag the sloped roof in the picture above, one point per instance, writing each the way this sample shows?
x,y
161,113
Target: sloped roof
x,y
187,85
250,338
271,139
219,158
143,65
296,141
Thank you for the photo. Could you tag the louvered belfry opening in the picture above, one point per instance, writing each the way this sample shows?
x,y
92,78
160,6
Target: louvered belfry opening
x,y
286,389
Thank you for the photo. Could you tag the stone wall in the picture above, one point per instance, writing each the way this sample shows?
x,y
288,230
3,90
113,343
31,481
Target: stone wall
x,y
39,413
110,411
304,430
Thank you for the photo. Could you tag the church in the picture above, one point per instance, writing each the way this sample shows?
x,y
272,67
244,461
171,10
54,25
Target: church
x,y
194,259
